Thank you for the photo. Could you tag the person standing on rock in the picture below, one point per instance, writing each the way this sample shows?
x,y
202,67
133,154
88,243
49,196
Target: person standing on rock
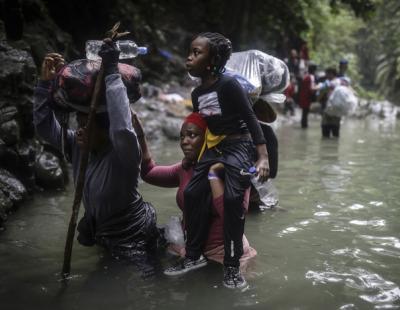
x,y
116,217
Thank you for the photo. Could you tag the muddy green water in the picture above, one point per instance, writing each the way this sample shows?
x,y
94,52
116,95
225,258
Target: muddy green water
x,y
334,244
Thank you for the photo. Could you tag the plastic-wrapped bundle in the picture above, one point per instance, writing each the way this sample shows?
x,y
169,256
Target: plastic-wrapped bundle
x,y
341,101
268,75
173,231
75,82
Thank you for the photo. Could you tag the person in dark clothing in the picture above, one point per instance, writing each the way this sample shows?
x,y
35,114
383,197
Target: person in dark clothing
x,y
116,217
330,124
306,92
290,93
293,63
232,130
343,64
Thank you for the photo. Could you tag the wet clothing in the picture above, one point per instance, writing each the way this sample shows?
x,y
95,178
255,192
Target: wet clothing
x,y
306,93
235,154
116,216
176,176
330,125
227,109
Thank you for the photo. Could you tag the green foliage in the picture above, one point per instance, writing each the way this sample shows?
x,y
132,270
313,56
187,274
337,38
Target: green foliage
x,y
386,26
361,8
371,43
332,36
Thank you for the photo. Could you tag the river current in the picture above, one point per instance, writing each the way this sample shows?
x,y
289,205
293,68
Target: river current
x,y
332,243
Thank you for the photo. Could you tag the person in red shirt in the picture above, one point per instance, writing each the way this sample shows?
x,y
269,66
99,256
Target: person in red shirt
x,y
306,93
179,174
290,93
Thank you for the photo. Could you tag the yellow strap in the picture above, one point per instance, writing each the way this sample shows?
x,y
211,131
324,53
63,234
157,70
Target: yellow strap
x,y
210,140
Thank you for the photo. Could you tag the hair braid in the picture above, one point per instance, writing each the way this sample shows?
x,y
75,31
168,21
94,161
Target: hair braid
x,y
220,50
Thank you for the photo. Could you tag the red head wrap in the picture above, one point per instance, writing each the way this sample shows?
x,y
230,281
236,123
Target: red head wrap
x,y
197,119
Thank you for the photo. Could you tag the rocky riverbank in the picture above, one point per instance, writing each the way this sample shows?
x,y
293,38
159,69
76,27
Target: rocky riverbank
x,y
26,163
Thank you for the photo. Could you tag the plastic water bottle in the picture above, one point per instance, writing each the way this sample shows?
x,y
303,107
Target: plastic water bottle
x,y
129,49
173,231
267,190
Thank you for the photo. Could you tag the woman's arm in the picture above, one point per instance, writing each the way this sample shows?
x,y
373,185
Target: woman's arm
x,y
137,126
163,176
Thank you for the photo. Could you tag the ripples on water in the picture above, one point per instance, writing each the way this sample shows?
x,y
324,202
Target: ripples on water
x,y
336,247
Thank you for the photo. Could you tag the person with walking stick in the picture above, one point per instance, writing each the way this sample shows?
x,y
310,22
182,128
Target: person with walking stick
x,y
115,217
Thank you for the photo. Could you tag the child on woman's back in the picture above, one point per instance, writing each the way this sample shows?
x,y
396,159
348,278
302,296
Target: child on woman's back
x,y
232,130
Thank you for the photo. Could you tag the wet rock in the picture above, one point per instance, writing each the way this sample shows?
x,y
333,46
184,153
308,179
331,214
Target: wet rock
x,y
178,109
9,132
5,205
17,75
8,156
26,158
171,128
48,171
12,187
384,109
7,114
361,110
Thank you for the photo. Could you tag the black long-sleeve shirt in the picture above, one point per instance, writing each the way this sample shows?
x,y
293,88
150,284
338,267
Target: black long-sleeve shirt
x,y
227,109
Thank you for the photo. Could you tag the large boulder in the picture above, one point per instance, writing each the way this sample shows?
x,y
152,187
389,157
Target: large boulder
x,y
48,170
12,187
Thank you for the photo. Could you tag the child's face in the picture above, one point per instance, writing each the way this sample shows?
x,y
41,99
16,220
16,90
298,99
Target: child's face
x,y
199,58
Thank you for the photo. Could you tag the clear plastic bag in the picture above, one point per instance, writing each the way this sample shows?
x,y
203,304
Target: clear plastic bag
x,y
341,101
266,73
268,193
173,231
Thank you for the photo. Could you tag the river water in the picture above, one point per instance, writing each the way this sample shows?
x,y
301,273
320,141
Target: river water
x,y
333,243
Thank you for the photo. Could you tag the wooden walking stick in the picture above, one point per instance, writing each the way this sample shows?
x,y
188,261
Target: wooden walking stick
x,y
113,35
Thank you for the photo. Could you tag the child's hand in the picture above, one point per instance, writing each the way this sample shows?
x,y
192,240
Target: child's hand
x,y
262,167
52,63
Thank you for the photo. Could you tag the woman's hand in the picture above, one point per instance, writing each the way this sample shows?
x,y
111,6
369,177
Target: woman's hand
x,y
52,63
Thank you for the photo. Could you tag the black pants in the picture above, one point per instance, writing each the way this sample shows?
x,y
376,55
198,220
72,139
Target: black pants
x,y
235,155
328,129
330,124
304,117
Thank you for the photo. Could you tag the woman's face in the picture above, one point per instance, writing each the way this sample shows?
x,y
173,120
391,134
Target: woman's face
x,y
81,133
98,137
199,58
192,138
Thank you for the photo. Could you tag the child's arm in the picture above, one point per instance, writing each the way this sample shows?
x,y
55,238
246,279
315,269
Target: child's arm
x,y
242,102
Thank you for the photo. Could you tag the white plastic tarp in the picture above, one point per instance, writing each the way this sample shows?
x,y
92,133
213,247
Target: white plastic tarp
x,y
267,74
